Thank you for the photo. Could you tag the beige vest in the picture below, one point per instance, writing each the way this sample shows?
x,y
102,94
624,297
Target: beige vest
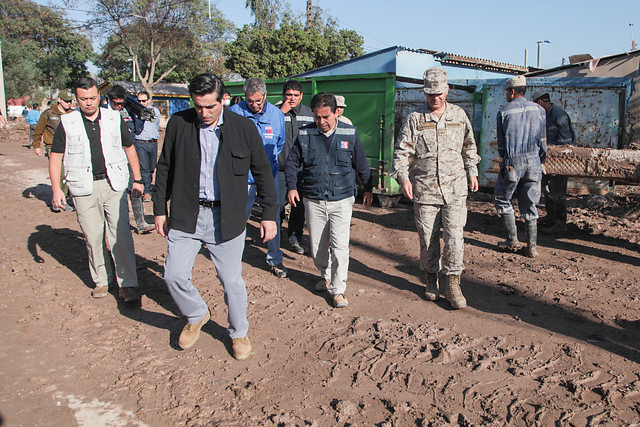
x,y
77,153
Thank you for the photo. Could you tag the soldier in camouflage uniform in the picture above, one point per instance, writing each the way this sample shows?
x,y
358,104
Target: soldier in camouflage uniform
x,y
434,155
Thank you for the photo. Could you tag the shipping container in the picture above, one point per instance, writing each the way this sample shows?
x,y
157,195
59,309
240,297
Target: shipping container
x,y
377,104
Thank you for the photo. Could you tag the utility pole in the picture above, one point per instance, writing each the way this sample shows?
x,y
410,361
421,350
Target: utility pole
x,y
309,15
3,101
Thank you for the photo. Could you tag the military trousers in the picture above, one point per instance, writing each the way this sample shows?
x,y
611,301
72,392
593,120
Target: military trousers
x,y
451,219
329,225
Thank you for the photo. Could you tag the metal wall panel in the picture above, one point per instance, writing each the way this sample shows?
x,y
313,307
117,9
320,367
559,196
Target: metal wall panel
x,y
594,111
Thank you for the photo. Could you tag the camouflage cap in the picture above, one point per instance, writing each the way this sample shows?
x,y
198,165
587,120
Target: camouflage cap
x,y
516,81
65,95
340,101
435,81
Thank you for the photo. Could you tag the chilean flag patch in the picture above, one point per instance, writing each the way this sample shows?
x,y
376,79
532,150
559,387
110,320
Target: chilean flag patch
x,y
269,129
344,145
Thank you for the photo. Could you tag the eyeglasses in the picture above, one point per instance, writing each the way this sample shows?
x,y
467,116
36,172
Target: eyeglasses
x,y
118,103
142,100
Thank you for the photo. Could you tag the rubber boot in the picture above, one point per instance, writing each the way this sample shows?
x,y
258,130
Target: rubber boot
x,y
511,244
453,293
138,213
560,224
432,292
532,237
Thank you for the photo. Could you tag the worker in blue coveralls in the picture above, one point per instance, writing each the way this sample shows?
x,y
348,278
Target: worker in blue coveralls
x,y
270,123
521,132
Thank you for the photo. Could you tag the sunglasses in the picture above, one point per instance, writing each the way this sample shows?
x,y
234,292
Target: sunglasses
x,y
142,100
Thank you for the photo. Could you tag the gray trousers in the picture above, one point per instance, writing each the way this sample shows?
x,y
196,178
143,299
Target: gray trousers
x,y
329,230
452,217
227,258
102,212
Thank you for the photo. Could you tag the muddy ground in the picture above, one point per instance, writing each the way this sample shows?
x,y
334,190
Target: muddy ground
x,y
549,340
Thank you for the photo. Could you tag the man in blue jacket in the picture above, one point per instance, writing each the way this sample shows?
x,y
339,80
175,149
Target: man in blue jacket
x,y
559,132
270,123
206,156
32,120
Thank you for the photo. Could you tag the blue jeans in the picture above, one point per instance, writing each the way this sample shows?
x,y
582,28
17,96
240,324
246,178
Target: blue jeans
x,y
274,254
148,157
522,180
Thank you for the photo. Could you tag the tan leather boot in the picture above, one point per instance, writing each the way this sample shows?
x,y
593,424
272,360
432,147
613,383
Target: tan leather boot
x,y
453,293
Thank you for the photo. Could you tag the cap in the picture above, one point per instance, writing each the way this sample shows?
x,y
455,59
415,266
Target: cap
x,y
340,101
65,95
435,81
516,81
541,94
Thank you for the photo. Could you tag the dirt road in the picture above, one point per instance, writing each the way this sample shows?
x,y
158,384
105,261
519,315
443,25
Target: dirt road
x,y
549,340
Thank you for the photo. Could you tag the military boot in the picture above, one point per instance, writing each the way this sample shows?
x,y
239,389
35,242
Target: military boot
x,y
432,292
138,213
453,293
511,244
532,237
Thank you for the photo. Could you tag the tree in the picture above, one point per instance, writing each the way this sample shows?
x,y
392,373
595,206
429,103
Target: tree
x,y
40,48
290,49
265,12
166,39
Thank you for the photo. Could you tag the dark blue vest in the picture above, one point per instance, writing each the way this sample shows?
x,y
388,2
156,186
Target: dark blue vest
x,y
327,176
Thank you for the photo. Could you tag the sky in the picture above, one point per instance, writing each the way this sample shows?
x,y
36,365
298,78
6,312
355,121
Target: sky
x,y
496,30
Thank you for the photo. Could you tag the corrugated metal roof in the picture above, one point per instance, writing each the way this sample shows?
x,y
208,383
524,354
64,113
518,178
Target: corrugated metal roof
x,y
485,64
581,64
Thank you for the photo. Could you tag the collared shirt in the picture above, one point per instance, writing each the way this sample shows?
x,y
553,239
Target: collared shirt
x,y
150,128
270,124
92,128
209,144
434,153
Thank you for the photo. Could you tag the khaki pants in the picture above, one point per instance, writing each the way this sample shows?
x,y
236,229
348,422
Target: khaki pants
x,y
107,212
329,229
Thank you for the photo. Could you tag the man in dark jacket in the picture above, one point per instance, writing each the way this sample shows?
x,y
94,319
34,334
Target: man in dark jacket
x,y
296,115
203,168
331,155
559,132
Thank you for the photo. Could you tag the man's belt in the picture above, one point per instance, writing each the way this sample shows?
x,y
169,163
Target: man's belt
x,y
209,203
147,140
99,176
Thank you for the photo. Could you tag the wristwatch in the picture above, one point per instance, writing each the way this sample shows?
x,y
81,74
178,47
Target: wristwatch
x,y
138,181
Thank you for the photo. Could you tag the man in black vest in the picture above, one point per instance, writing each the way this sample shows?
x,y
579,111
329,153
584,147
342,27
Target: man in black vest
x,y
330,154
296,115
